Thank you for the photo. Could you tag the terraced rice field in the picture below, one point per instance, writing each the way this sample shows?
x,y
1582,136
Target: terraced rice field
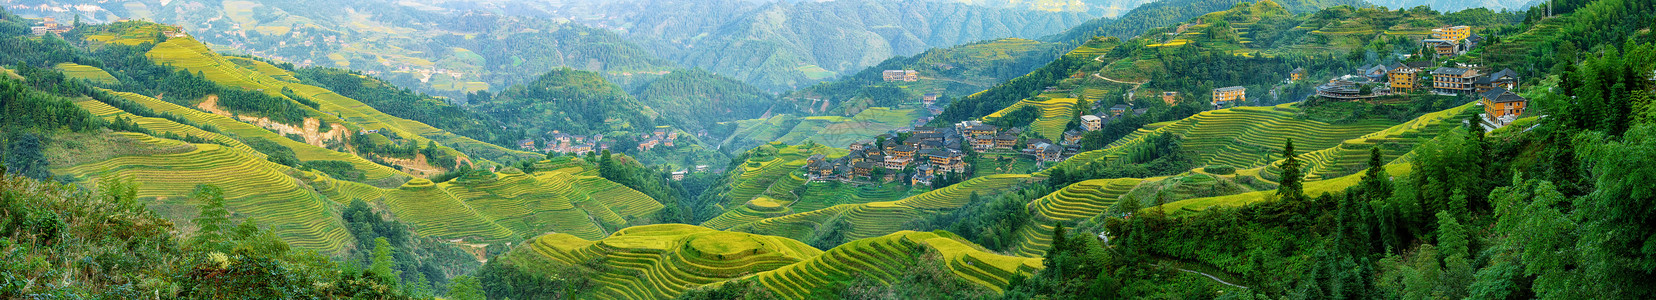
x,y
252,187
883,258
1351,156
880,218
306,152
192,56
109,113
661,261
1055,114
1073,203
1332,185
90,73
1244,137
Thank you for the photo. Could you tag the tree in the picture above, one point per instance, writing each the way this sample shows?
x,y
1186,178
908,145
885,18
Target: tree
x,y
466,288
1291,188
1452,240
213,222
383,261
24,157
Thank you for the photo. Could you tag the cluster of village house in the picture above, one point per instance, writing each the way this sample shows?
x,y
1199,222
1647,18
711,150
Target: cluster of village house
x,y
1495,92
566,143
580,144
931,151
51,25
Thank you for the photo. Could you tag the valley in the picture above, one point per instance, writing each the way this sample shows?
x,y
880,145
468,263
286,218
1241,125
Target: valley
x,y
1191,149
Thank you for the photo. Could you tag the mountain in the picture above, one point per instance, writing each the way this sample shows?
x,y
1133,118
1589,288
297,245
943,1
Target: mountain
x,y
783,45
698,99
1452,6
440,52
1102,8
1168,12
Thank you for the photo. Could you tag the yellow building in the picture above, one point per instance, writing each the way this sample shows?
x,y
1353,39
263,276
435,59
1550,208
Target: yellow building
x,y
1229,94
1452,33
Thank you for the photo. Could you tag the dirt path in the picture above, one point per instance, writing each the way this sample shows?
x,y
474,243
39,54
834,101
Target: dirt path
x,y
1215,279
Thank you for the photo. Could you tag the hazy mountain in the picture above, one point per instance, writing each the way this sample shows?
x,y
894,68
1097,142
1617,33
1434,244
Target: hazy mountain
x,y
783,45
444,52
1450,6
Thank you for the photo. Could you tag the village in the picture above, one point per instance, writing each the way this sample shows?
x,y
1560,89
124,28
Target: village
x,y
1496,92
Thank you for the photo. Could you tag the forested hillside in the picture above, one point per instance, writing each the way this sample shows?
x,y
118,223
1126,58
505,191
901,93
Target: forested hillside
x,y
140,163
440,52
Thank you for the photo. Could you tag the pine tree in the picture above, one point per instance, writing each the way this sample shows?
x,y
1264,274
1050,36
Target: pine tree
x,y
1376,183
1292,188
213,222
1059,244
466,288
383,261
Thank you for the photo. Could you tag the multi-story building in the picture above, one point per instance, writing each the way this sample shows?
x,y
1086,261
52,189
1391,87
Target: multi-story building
x,y
1501,106
1297,74
1506,79
1452,33
1091,122
1228,95
1402,77
1457,81
900,75
1443,47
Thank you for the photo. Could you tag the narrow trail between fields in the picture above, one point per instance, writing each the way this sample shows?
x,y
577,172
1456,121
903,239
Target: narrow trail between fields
x,y
1215,279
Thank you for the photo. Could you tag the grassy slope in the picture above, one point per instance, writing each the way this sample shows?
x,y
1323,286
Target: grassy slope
x,y
662,261
191,55
880,218
253,187
90,73
876,258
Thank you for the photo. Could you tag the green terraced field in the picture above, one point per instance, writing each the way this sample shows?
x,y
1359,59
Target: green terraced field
x,y
252,186
89,73
1333,185
1079,201
1055,114
660,261
881,257
833,131
163,125
880,218
1351,156
1244,137
306,152
193,56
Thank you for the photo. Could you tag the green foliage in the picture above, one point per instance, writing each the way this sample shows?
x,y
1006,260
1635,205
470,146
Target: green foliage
x,y
569,101
382,261
1292,186
213,220
273,151
466,288
408,104
696,99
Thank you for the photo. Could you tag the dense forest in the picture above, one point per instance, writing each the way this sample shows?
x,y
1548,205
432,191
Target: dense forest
x,y
696,99
567,101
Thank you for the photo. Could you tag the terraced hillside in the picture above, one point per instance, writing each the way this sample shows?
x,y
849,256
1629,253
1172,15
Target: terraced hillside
x,y
880,218
190,55
765,186
658,261
833,131
1351,156
1055,114
487,207
1242,137
884,258
374,173
1079,201
665,260
168,170
79,71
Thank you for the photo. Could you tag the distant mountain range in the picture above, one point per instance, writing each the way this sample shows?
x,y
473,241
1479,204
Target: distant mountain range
x,y
781,46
